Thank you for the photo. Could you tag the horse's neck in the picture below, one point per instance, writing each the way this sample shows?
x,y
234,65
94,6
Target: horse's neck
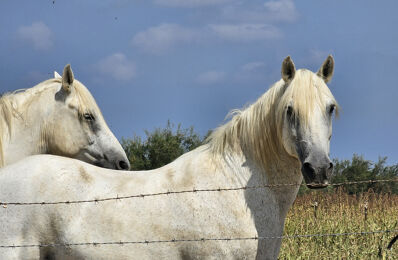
x,y
269,204
287,177
21,136
285,170
240,170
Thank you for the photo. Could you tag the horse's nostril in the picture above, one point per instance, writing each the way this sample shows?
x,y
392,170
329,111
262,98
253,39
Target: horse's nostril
x,y
123,165
330,165
308,166
309,169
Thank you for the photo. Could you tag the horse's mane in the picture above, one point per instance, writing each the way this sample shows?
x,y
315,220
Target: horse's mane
x,y
258,128
5,122
9,109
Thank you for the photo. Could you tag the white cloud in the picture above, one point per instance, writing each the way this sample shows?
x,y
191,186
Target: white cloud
x,y
268,12
243,11
245,32
232,20
160,38
282,10
190,3
163,37
253,66
117,66
38,34
211,77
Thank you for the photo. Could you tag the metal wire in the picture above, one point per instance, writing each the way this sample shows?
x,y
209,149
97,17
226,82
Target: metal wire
x,y
200,239
5,204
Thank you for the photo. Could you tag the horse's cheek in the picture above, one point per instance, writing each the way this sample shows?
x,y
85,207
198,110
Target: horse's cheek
x,y
67,140
287,141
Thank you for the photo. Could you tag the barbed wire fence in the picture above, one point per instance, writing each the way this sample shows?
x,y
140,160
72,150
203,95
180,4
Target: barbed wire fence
x,y
143,195
201,239
5,204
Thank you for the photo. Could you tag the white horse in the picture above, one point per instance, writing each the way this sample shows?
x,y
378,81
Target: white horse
x,y
58,116
276,140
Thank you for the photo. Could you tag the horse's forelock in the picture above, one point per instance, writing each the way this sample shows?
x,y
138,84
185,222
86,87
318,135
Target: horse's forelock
x,y
306,91
86,102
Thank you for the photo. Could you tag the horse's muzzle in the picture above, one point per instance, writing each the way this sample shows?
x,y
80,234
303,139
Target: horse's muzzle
x,y
317,177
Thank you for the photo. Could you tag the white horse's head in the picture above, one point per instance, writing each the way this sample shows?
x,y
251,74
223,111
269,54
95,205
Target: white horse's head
x,y
306,111
76,128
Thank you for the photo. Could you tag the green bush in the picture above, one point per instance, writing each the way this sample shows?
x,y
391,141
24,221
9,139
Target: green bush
x,y
359,169
161,146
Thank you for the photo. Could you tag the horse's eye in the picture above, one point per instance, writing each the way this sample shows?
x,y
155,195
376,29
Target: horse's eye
x,y
331,109
89,117
289,111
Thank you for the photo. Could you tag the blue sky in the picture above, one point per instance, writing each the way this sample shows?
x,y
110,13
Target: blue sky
x,y
192,61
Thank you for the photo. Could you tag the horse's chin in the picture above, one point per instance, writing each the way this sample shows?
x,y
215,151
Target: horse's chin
x,y
97,160
315,186
105,164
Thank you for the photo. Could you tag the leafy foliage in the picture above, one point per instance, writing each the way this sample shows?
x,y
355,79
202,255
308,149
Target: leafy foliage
x,y
160,147
359,169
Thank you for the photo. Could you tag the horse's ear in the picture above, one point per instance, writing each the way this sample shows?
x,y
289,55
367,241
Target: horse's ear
x,y
327,68
288,69
67,78
56,75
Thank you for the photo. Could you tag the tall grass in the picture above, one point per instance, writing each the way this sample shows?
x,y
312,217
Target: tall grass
x,y
338,212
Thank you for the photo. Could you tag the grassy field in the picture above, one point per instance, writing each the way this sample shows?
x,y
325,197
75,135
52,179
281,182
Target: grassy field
x,y
338,212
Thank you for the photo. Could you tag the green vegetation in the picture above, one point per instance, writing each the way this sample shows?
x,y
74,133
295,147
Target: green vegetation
x,y
360,169
161,146
346,209
338,212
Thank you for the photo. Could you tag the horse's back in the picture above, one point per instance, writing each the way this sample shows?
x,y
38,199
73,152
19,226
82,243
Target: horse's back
x,y
188,216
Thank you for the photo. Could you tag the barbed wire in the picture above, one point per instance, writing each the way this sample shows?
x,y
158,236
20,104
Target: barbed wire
x,y
5,204
203,239
143,195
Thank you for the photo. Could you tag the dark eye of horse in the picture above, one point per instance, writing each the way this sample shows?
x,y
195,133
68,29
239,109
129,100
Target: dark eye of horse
x,y
289,111
89,117
331,109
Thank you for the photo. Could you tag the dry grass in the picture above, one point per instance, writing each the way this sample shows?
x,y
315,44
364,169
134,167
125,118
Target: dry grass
x,y
339,212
